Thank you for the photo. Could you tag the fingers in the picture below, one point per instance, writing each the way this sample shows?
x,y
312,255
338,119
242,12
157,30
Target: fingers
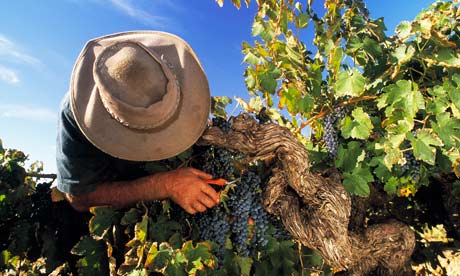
x,y
190,210
219,181
200,174
198,207
210,192
207,201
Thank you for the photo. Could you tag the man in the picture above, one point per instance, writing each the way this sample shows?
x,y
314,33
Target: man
x,y
133,97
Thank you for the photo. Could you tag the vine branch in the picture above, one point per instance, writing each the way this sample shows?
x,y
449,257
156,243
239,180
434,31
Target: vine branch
x,y
326,111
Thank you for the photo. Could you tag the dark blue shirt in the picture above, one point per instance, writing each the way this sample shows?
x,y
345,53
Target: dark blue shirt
x,y
80,165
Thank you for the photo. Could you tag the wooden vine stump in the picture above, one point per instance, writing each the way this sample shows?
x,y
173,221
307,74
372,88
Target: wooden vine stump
x,y
315,209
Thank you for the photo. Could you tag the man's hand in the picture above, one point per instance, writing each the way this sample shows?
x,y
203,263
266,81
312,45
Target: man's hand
x,y
188,188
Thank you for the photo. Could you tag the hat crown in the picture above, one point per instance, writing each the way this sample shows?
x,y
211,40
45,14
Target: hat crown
x,y
140,79
136,85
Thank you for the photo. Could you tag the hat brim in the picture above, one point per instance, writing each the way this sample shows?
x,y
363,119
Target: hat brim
x,y
112,137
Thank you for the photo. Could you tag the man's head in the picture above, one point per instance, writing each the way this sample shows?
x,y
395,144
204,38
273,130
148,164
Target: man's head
x,y
140,95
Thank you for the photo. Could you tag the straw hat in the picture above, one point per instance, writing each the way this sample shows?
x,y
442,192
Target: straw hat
x,y
140,96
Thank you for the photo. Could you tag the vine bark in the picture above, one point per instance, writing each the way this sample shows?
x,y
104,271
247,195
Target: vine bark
x,y
314,208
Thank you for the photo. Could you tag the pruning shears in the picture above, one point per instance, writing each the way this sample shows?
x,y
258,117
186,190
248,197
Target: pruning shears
x,y
227,186
221,181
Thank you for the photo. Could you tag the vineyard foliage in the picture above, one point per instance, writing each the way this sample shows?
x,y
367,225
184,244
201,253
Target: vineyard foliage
x,y
382,110
401,93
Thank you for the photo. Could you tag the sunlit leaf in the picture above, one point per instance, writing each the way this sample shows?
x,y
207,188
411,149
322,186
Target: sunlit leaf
x,y
302,20
251,59
237,3
403,30
349,84
424,145
448,129
220,3
403,54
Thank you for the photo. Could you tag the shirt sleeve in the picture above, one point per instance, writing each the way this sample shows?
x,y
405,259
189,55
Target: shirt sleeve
x,y
80,165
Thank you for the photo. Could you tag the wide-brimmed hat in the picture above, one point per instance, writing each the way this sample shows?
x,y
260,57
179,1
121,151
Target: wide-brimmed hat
x,y
140,96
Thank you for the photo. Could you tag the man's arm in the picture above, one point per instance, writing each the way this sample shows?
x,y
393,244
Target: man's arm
x,y
186,187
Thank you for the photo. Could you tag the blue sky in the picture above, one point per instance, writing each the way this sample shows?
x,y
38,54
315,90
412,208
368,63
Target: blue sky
x,y
40,42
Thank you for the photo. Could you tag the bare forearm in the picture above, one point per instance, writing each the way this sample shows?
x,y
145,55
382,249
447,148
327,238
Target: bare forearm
x,y
186,187
120,194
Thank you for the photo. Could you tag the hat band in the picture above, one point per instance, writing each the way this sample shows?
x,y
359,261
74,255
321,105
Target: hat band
x,y
143,118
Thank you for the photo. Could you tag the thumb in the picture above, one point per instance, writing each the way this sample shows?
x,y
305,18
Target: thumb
x,y
201,174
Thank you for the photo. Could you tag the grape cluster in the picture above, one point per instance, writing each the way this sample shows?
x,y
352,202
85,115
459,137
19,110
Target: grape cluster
x,y
218,162
330,136
214,226
246,209
412,166
221,123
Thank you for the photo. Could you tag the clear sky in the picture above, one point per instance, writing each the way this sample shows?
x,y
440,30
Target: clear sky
x,y
40,40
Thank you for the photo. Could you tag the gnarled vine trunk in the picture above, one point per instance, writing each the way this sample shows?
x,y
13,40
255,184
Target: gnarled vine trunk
x,y
315,209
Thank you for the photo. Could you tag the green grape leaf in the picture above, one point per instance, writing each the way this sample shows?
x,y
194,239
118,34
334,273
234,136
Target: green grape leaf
x,y
176,267
163,228
140,231
448,129
245,264
360,127
131,217
5,258
257,28
454,92
423,145
403,30
158,258
237,3
302,20
356,182
372,47
251,59
446,57
335,58
393,153
94,258
199,256
391,186
380,169
403,54
290,99
218,105
101,222
268,83
437,105
402,101
250,81
347,158
349,84
306,104
255,103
